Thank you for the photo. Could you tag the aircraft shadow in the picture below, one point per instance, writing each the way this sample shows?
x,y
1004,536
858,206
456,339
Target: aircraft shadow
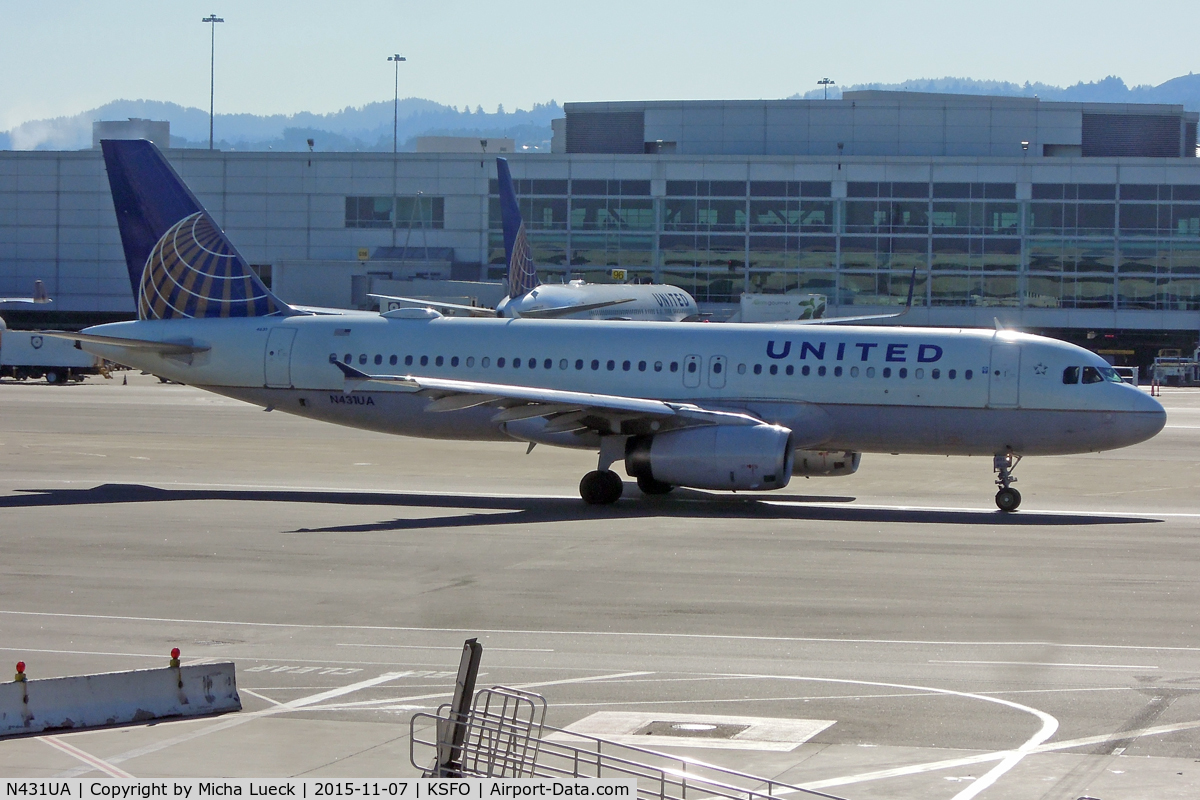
x,y
681,504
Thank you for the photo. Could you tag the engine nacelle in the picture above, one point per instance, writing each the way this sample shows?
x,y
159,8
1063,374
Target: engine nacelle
x,y
826,463
714,457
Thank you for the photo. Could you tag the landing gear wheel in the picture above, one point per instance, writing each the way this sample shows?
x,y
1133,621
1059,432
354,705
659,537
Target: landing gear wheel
x,y
52,377
601,488
650,486
1008,499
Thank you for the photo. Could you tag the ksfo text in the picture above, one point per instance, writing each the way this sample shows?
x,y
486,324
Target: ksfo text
x,y
412,789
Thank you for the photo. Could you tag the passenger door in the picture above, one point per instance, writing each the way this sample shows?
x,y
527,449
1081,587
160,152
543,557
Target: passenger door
x,y
277,364
691,371
716,372
1004,376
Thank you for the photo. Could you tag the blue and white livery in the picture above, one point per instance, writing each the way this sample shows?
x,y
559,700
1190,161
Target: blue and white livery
x,y
734,407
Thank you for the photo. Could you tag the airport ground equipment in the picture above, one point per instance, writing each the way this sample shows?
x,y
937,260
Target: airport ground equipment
x,y
31,705
1172,368
503,734
29,354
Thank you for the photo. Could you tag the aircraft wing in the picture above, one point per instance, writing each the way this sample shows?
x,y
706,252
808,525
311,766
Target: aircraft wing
x,y
564,311
146,345
475,310
846,320
565,410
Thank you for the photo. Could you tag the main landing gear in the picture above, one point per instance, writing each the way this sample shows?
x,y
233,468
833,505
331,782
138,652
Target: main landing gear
x,y
602,486
1008,498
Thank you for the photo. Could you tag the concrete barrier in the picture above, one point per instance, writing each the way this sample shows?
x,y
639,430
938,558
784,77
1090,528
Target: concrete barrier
x,y
116,698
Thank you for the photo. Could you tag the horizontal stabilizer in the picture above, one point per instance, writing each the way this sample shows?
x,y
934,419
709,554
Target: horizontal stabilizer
x,y
145,345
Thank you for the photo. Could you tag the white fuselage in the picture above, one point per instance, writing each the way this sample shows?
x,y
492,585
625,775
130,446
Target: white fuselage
x,y
872,389
649,302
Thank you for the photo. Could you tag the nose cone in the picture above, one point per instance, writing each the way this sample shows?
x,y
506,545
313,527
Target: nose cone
x,y
1145,418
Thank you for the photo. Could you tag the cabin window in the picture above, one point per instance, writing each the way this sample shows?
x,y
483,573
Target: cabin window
x,y
658,366
887,372
968,374
595,364
424,360
393,360
408,361
562,363
485,362
935,374
758,369
641,366
439,361
741,369
691,366
870,372
362,358
837,372
454,361
516,363
470,361
579,363
821,371
774,369
805,370
920,373
952,374
854,372
499,362
790,369
548,363
378,359
674,366
347,358
626,365
611,365
1071,375
533,363
903,372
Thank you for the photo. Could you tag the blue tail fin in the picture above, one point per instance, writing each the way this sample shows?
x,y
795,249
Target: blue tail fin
x,y
522,275
181,264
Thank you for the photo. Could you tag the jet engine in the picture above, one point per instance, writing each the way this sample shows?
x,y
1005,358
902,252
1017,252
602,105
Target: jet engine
x,y
714,457
826,463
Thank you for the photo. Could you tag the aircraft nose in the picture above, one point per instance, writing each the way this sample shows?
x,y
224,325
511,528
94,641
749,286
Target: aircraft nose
x,y
1150,416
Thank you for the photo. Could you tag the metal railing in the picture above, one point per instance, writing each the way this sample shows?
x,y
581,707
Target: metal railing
x,y
506,737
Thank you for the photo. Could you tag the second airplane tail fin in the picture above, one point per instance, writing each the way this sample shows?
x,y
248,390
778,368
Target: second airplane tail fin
x,y
522,275
180,262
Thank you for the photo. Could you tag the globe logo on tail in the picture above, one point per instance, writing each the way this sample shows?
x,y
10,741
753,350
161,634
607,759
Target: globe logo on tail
x,y
522,276
193,271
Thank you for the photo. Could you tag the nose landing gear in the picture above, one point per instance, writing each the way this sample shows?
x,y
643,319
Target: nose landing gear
x,y
1008,498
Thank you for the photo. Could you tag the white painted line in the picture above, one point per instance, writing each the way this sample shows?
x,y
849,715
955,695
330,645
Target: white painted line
x,y
1008,761
95,762
443,647
253,693
1044,664
1091,512
386,677
79,652
966,761
630,634
1185,427
304,704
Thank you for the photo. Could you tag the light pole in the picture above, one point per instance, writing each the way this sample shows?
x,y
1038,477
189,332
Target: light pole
x,y
826,82
396,102
212,20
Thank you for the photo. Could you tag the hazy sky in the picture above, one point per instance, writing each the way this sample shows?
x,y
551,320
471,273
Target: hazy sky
x,y
60,57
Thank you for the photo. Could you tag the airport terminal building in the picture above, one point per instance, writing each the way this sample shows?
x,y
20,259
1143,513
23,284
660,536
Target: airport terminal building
x,y
1062,217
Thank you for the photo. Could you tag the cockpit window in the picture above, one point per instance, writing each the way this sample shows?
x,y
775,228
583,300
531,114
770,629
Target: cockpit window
x,y
1071,375
1110,375
1092,375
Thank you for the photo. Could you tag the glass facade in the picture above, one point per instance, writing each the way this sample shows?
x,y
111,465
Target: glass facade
x,y
409,212
1071,246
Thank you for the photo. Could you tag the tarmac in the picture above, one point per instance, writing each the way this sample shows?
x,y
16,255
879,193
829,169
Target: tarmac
x,y
884,635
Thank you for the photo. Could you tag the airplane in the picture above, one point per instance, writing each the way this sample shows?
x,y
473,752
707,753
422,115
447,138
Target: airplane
x,y
719,407
527,297
39,297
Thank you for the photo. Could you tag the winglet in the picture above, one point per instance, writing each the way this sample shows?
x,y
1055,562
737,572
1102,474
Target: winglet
x,y
522,275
